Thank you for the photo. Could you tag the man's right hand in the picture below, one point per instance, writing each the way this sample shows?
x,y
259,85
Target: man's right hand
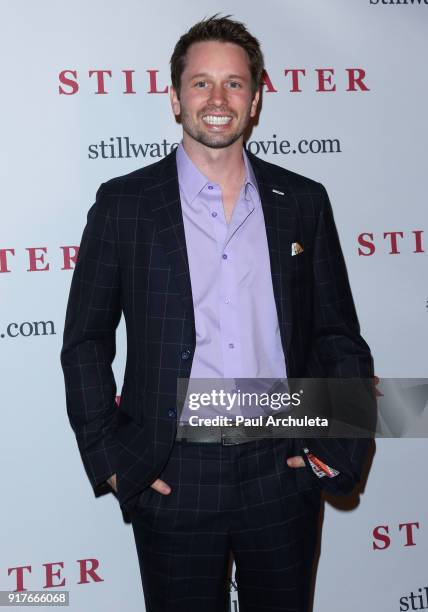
x,y
158,485
112,482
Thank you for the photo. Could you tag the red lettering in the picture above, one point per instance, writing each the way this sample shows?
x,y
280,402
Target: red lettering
x,y
382,537
19,575
88,571
355,79
100,79
394,246
366,244
68,257
50,575
323,79
267,83
128,81
34,258
409,532
153,83
3,259
418,241
73,84
295,77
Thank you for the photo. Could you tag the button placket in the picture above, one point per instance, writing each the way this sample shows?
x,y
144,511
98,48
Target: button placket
x,y
214,206
229,317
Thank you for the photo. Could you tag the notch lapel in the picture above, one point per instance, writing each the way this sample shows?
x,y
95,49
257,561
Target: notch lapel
x,y
280,223
166,208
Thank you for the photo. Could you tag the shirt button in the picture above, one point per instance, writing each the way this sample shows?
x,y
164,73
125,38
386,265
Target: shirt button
x,y
210,187
172,413
231,345
185,354
224,256
213,214
227,300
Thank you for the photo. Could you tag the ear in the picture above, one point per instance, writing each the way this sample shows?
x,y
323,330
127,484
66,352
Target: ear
x,y
254,103
175,102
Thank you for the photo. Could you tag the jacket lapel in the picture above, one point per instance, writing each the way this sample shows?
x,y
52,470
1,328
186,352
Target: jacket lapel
x,y
279,214
166,208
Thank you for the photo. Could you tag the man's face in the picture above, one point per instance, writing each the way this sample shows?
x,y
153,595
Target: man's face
x,y
216,100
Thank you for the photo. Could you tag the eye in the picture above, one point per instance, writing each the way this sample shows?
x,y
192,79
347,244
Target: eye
x,y
235,85
200,84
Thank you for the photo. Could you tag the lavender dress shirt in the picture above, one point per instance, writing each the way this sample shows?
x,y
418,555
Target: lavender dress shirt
x,y
237,332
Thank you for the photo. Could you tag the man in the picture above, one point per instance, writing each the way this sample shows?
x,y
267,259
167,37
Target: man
x,y
224,266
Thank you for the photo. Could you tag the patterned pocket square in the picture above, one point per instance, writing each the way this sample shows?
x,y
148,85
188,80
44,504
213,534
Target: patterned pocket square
x,y
296,249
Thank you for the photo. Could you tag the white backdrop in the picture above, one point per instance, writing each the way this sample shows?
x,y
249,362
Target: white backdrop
x,y
375,173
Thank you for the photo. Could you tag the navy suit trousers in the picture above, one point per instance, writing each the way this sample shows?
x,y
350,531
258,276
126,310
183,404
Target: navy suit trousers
x,y
241,499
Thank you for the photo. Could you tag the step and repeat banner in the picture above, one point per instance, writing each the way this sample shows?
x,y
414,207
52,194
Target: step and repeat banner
x,y
85,98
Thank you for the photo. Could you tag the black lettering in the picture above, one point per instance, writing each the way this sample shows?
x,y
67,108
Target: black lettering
x,y
103,149
421,603
23,327
253,149
315,146
8,330
119,142
93,151
403,602
113,156
412,599
300,146
265,148
165,145
284,147
44,325
333,146
275,145
155,150
137,149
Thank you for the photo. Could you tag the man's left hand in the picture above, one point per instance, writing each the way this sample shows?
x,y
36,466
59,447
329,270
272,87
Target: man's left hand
x,y
296,462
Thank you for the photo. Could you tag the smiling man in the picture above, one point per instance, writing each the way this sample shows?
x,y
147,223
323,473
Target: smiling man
x,y
225,267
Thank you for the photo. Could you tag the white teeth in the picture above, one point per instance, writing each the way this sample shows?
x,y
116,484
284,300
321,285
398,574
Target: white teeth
x,y
215,120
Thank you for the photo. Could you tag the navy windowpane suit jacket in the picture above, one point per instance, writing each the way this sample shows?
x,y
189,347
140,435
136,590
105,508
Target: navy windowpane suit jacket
x,y
133,260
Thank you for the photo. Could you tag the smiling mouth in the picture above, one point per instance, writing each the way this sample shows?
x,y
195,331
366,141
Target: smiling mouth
x,y
217,119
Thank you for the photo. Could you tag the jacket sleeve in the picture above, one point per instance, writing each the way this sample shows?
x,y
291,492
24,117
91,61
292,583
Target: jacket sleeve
x,y
339,352
88,350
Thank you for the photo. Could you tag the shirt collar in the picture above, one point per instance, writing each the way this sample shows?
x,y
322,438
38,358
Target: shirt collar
x,y
250,179
192,180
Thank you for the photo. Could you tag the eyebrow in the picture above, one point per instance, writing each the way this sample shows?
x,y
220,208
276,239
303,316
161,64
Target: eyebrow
x,y
229,76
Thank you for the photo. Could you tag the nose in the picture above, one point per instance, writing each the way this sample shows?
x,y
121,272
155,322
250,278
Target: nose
x,y
218,95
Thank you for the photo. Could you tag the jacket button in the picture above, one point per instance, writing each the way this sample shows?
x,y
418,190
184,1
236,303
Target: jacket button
x,y
185,354
172,413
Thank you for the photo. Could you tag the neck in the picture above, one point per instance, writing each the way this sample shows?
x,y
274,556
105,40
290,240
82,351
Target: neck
x,y
220,166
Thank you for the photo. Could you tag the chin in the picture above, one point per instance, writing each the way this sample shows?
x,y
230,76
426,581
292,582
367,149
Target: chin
x,y
218,142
